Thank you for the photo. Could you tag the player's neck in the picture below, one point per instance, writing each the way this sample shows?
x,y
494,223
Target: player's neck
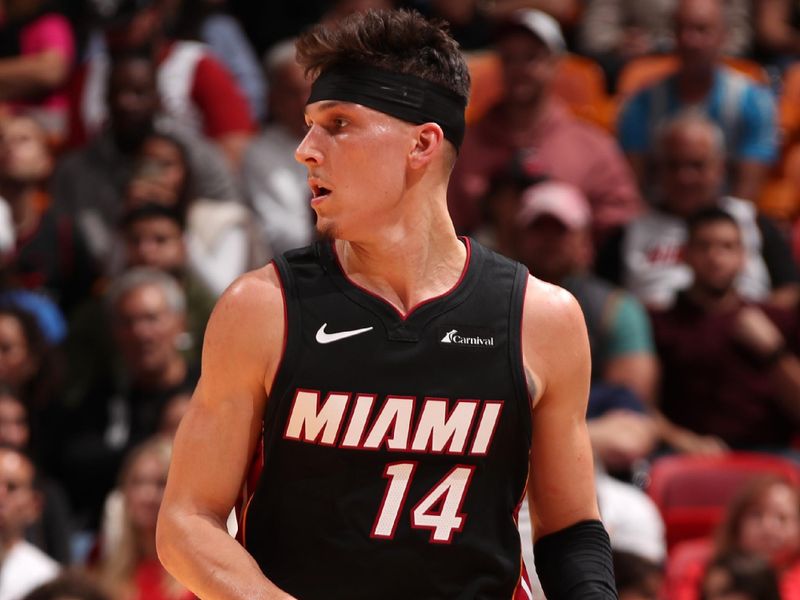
x,y
408,264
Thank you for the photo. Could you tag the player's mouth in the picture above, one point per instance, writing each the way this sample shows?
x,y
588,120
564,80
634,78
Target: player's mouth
x,y
319,192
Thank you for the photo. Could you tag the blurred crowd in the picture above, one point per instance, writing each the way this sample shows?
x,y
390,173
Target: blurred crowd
x,y
645,155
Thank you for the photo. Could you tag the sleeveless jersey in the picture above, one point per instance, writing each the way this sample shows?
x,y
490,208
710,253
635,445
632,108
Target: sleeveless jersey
x,y
396,449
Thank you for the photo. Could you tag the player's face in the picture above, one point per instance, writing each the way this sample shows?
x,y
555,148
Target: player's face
x,y
716,256
356,159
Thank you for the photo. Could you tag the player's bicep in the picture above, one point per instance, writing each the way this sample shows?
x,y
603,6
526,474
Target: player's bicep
x,y
561,483
216,439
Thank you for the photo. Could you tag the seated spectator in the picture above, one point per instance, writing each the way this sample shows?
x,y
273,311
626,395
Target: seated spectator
x,y
154,237
637,578
743,576
221,236
554,242
147,310
173,412
762,521
744,111
51,531
532,125
777,31
128,566
613,32
729,379
470,21
90,183
195,89
68,586
50,253
32,369
37,49
274,182
645,257
208,21
24,566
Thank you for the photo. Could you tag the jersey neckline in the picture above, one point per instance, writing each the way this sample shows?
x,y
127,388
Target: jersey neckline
x,y
422,311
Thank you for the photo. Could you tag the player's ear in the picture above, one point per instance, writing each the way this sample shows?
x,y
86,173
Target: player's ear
x,y
428,143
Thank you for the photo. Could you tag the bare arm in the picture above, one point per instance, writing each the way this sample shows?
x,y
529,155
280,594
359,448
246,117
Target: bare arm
x,y
32,74
556,358
750,174
215,443
637,371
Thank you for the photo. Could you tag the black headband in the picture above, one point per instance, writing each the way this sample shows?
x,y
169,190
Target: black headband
x,y
406,97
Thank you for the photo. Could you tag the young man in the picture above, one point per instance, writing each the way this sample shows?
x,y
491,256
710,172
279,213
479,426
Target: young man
x,y
398,401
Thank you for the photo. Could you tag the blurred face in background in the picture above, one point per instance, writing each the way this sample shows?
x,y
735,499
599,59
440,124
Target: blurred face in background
x,y
691,169
528,67
17,363
20,504
133,100
156,241
716,256
25,156
699,33
14,428
553,251
770,526
138,31
146,329
143,489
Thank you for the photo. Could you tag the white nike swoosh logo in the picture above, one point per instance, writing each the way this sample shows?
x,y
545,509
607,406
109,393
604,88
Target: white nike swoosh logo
x,y
327,338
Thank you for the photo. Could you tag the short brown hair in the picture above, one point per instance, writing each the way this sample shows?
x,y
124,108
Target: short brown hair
x,y
402,41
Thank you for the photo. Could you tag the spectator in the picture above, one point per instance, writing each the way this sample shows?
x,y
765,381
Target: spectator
x,y
208,21
147,310
743,110
222,239
470,21
90,183
32,369
68,586
777,31
173,413
637,578
555,244
761,521
154,237
194,88
741,575
37,50
274,182
613,32
50,253
128,565
645,257
24,566
50,532
728,377
531,123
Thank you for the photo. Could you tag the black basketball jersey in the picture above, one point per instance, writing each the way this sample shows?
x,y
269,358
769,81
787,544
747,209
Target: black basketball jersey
x,y
395,447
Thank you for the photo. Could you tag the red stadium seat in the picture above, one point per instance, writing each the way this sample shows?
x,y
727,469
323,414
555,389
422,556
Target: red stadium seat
x,y
692,492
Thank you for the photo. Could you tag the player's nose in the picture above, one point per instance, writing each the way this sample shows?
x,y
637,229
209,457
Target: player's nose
x,y
308,152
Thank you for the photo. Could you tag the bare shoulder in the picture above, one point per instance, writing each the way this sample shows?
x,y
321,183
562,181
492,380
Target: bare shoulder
x,y
247,324
554,338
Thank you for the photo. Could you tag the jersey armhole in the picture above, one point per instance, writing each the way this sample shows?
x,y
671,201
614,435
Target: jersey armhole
x,y
515,329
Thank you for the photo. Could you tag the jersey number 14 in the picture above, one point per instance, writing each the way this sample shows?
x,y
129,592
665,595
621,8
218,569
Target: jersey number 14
x,y
439,510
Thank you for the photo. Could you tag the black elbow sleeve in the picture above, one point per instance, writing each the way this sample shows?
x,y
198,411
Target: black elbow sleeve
x,y
575,563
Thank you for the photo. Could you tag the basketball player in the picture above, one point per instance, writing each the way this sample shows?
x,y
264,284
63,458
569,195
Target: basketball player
x,y
401,376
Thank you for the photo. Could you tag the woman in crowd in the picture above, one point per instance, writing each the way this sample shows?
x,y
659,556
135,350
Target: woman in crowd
x,y
762,520
127,565
740,576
